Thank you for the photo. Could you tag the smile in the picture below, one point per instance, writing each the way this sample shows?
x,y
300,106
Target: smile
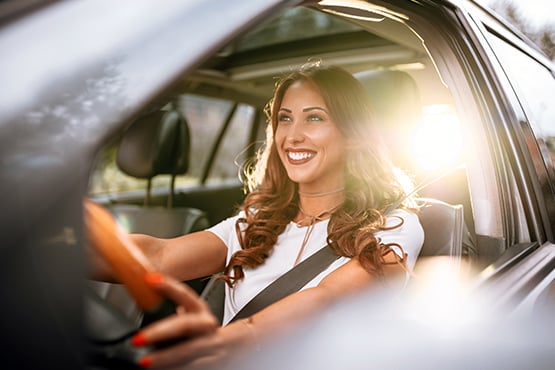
x,y
300,156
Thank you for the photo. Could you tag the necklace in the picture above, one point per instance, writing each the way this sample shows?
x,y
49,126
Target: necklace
x,y
310,221
320,194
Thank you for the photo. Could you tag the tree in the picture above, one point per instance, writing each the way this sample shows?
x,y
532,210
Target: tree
x,y
543,36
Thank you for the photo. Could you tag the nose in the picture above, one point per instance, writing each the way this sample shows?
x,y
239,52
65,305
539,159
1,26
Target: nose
x,y
296,133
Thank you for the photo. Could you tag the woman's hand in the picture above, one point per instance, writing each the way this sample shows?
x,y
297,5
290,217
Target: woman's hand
x,y
183,338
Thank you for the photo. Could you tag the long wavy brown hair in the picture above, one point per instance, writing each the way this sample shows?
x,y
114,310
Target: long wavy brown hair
x,y
371,185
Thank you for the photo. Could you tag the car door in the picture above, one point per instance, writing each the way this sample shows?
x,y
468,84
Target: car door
x,y
506,122
73,73
526,83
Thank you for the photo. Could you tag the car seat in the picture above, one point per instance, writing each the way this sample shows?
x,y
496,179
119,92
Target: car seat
x,y
398,110
157,143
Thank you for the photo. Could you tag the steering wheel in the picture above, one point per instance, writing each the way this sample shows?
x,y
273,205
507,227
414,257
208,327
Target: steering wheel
x,y
127,261
129,266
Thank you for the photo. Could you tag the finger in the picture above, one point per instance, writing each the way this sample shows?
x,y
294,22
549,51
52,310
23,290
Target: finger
x,y
176,327
197,350
178,292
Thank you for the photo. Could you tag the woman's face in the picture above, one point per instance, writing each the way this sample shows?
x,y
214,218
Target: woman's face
x,y
309,144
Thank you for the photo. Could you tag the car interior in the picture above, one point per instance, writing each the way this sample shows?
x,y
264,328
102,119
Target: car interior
x,y
412,103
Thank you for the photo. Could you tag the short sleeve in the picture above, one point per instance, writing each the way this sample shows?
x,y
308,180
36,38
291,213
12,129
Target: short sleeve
x,y
225,230
409,235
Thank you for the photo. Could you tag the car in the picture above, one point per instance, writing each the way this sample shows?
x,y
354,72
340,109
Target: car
x,y
463,97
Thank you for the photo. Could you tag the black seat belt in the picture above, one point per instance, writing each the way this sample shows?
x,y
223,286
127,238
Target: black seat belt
x,y
289,283
300,275
294,279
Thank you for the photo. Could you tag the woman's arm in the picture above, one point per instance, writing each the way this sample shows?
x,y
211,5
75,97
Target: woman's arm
x,y
185,257
278,317
345,280
111,248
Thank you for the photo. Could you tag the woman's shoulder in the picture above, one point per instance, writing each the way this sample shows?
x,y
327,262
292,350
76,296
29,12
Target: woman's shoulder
x,y
401,217
403,228
235,217
224,226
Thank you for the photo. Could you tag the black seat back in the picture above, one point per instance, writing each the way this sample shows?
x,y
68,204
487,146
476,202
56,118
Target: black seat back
x,y
157,143
443,226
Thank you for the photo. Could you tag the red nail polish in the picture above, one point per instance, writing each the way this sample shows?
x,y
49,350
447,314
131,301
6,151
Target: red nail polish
x,y
154,278
138,340
145,362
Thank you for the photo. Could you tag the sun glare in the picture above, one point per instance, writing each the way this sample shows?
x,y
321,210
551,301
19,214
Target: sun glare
x,y
441,295
437,142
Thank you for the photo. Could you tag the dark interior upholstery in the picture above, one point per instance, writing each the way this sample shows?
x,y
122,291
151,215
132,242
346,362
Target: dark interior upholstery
x,y
443,225
155,144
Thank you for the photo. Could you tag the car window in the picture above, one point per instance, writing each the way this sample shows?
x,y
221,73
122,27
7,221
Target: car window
x,y
535,90
206,117
423,131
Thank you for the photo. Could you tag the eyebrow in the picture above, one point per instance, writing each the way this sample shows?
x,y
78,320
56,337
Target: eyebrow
x,y
307,109
314,108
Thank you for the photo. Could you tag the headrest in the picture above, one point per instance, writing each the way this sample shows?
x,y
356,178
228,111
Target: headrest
x,y
394,93
397,107
157,143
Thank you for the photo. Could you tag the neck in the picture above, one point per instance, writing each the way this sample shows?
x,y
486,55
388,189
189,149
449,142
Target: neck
x,y
318,208
308,194
305,218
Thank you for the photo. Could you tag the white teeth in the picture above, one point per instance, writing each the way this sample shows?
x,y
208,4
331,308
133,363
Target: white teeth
x,y
299,156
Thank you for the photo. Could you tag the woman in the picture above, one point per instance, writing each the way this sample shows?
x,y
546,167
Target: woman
x,y
321,179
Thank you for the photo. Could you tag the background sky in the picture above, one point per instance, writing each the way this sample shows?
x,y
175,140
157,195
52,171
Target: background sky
x,y
538,12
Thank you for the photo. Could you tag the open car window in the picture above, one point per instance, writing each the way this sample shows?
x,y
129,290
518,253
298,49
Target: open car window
x,y
223,101
443,136
244,73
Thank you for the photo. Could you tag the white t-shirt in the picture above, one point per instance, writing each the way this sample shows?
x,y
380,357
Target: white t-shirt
x,y
410,236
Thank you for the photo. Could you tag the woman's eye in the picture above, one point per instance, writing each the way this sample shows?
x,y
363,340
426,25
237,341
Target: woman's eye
x,y
284,118
314,118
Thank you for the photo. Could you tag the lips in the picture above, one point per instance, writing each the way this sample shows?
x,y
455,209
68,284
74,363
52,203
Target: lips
x,y
299,156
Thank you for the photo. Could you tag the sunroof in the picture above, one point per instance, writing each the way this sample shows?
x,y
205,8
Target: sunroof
x,y
295,24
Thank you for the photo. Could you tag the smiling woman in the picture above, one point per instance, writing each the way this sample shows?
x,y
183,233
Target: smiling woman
x,y
323,188
60,110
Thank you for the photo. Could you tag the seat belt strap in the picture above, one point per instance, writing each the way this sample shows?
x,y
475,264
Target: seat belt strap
x,y
290,282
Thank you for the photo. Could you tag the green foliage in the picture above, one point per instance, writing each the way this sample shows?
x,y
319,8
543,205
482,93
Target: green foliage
x,y
543,36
